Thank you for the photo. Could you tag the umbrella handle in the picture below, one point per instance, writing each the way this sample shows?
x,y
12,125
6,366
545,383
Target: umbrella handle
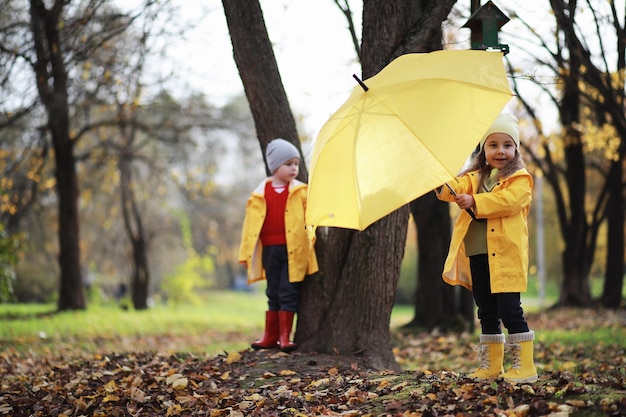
x,y
469,211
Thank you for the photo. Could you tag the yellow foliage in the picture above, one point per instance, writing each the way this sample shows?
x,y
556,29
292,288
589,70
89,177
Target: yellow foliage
x,y
192,275
233,357
603,140
6,182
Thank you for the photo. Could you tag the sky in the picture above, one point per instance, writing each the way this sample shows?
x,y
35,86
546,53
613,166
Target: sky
x,y
312,45
314,52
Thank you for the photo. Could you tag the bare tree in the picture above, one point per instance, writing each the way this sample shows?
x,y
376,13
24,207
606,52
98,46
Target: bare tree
x,y
51,77
51,44
587,83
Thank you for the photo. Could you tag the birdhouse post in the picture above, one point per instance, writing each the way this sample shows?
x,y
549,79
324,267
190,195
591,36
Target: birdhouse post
x,y
485,22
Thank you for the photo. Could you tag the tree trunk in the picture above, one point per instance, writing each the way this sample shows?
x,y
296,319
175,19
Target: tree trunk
x,y
346,308
614,279
141,274
575,288
140,279
365,266
388,31
52,88
437,305
259,73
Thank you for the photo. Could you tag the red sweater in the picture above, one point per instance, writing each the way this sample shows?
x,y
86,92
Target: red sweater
x,y
273,230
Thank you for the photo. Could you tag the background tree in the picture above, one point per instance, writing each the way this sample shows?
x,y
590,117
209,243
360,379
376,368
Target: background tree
x,y
590,169
136,133
608,105
215,197
22,154
106,88
51,75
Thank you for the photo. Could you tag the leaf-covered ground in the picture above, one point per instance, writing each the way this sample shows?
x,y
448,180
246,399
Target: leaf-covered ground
x,y
585,379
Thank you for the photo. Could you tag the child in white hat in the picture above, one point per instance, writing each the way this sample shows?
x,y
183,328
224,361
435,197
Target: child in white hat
x,y
274,242
489,255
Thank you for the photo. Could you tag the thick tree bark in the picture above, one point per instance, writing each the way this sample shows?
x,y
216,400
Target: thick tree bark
x,y
364,268
51,77
437,305
385,29
259,73
346,308
141,274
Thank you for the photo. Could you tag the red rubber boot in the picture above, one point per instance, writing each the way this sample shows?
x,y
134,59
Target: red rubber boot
x,y
270,337
285,322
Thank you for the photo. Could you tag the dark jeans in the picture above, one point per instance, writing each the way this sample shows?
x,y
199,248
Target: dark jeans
x,y
493,307
281,294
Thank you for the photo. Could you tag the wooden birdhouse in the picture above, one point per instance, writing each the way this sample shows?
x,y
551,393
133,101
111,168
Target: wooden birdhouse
x,y
485,23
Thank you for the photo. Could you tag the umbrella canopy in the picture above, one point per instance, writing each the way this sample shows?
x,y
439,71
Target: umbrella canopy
x,y
410,132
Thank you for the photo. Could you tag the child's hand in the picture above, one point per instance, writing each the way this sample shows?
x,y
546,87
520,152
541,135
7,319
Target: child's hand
x,y
465,201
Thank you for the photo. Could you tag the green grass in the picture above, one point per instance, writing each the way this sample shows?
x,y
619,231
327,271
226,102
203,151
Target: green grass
x,y
225,321
588,337
222,310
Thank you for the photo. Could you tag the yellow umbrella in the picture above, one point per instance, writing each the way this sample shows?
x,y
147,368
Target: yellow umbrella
x,y
410,132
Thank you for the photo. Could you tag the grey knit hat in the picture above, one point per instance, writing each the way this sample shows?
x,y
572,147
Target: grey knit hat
x,y
278,152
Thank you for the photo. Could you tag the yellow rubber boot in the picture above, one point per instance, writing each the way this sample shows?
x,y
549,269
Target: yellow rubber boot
x,y
523,368
490,353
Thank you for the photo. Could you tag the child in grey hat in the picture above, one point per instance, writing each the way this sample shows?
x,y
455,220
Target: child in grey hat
x,y
274,242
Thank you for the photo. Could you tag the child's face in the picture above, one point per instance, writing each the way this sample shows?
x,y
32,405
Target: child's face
x,y
288,171
499,150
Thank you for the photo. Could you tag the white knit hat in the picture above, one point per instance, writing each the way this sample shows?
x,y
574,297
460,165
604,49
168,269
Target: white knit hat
x,y
504,123
278,152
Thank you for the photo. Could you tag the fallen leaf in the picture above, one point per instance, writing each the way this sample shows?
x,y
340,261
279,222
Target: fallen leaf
x,y
138,395
233,357
180,383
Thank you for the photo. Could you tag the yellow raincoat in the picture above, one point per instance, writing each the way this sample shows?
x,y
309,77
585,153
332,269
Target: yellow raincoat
x,y
506,210
301,253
